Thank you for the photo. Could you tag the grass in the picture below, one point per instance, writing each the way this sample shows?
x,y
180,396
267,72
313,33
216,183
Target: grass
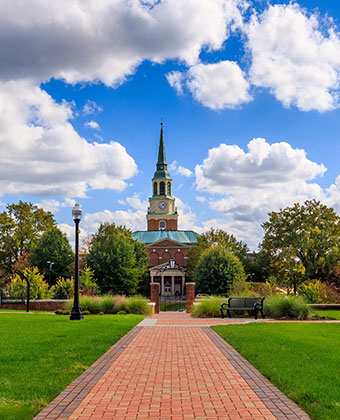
x,y
208,307
302,360
41,354
171,306
329,314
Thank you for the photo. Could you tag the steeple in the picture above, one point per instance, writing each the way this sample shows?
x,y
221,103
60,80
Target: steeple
x,y
161,166
161,149
162,213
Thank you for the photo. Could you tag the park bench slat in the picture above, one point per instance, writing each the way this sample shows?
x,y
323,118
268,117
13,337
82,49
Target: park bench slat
x,y
253,304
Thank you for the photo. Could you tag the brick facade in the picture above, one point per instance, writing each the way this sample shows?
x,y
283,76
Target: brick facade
x,y
170,224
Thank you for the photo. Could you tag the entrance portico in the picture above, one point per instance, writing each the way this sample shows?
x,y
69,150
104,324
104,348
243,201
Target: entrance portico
x,y
172,280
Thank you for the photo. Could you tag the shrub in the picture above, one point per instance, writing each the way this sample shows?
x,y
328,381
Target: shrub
x,y
38,287
292,307
87,284
208,307
317,292
263,289
137,305
64,288
113,304
107,304
121,313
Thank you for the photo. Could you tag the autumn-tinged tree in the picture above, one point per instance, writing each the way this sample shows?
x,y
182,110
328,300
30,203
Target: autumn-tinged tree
x,y
307,235
21,226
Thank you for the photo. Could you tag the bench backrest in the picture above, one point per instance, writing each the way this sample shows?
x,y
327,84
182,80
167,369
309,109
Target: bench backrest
x,y
244,302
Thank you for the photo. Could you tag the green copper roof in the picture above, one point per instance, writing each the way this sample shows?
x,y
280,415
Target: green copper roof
x,y
181,236
161,171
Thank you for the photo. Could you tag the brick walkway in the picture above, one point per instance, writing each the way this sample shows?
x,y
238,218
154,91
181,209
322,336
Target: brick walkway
x,y
172,372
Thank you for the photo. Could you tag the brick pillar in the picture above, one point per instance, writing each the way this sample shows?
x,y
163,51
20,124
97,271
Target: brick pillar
x,y
190,293
154,295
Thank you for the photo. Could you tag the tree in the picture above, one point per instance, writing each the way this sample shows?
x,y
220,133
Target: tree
x,y
217,270
21,226
117,260
212,238
53,246
308,234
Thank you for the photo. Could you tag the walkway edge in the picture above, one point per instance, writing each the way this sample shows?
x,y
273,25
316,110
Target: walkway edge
x,y
271,396
69,399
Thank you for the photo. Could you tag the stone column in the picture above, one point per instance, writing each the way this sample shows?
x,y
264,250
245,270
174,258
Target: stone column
x,y
190,291
183,283
154,295
172,285
152,279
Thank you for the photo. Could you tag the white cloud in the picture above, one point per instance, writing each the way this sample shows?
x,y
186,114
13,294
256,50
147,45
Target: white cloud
x,y
176,79
106,40
92,124
250,184
180,170
218,86
133,218
294,58
91,107
44,155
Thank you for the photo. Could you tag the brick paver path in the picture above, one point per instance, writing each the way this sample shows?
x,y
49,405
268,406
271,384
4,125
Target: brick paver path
x,y
172,372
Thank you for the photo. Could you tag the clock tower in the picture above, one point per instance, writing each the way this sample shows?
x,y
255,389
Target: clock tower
x,y
162,213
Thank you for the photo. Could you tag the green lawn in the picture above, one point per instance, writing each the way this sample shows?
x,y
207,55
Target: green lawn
x,y
329,314
41,354
302,360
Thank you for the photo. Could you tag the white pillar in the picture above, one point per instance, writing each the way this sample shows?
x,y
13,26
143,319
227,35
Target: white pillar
x,y
183,282
162,285
173,285
152,280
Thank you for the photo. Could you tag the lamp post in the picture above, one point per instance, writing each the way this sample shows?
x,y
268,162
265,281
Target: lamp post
x,y
50,263
76,314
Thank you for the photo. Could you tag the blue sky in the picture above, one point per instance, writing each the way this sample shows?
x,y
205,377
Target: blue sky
x,y
248,91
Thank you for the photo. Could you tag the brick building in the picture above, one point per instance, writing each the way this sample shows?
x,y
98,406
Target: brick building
x,y
167,246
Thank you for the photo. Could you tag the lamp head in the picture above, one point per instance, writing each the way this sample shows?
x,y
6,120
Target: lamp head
x,y
76,212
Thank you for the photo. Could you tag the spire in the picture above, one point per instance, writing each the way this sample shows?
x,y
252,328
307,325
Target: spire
x,y
161,150
161,167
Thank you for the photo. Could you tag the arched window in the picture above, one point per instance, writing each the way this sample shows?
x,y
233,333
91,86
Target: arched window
x,y
162,225
161,188
155,188
169,188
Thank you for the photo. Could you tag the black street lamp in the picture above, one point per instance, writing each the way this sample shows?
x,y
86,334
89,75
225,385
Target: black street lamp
x,y
76,314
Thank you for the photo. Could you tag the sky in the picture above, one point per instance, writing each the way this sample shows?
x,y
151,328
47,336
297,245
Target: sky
x,y
249,93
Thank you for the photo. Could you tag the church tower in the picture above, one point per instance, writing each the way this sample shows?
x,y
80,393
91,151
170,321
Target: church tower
x,y
162,213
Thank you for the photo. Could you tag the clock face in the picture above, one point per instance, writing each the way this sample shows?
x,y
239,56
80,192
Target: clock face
x,y
162,205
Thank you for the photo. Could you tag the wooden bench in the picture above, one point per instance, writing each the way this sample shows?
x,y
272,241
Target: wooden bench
x,y
251,304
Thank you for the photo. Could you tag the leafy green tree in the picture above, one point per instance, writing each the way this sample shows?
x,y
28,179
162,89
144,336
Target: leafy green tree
x,y
53,246
307,234
212,238
21,226
118,262
217,270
